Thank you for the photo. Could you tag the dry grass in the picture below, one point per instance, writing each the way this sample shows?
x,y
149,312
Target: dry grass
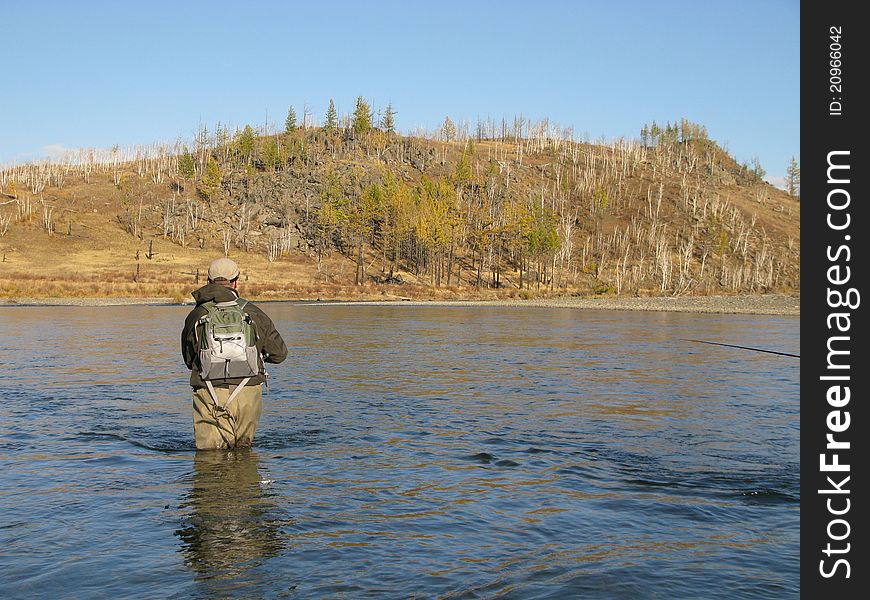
x,y
82,237
96,261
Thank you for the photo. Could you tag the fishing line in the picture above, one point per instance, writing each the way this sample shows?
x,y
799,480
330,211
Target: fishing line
x,y
743,348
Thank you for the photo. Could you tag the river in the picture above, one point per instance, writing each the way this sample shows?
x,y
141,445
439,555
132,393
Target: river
x,y
432,452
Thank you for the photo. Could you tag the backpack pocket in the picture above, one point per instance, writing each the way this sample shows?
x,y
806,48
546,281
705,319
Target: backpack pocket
x,y
220,368
253,356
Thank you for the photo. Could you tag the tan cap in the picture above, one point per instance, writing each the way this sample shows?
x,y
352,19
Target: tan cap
x,y
223,268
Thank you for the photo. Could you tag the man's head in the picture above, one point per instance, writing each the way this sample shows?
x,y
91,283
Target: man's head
x,y
223,271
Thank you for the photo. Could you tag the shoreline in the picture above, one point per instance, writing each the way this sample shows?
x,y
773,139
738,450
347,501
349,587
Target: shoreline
x,y
778,304
766,304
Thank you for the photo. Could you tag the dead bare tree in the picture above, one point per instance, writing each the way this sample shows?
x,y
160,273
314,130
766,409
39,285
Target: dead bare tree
x,y
47,223
5,221
228,238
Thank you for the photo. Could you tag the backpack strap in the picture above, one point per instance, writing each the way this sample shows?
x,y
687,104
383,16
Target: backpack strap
x,y
204,318
242,303
232,397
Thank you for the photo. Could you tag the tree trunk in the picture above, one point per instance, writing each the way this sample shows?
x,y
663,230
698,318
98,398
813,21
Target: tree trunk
x,y
450,262
520,269
360,265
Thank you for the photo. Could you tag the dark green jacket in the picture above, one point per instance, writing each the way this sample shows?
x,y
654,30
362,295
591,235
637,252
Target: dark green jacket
x,y
269,342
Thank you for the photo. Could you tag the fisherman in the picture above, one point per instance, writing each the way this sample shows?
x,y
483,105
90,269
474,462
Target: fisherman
x,y
225,342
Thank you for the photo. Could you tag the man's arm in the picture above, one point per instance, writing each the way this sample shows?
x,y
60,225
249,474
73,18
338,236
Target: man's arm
x,y
188,340
271,343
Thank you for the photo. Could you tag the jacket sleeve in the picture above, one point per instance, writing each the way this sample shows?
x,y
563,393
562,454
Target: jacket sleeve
x,y
188,341
271,343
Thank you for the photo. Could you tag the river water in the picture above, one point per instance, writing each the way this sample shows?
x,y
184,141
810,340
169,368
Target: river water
x,y
428,452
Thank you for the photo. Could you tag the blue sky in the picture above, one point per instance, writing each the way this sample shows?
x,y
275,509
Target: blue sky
x,y
99,73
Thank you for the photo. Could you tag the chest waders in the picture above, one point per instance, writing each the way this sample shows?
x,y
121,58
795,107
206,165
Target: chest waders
x,y
222,415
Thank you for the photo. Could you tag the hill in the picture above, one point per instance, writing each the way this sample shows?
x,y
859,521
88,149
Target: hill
x,y
350,213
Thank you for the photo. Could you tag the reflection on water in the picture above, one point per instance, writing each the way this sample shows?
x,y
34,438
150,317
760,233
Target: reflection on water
x,y
405,452
230,527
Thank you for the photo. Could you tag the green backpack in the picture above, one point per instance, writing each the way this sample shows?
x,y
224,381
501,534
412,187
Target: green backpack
x,y
227,341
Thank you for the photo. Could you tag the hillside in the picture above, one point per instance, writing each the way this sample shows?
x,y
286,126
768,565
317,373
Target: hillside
x,y
343,213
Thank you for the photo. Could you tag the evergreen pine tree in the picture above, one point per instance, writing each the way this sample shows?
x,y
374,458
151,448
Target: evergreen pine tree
x,y
245,142
389,120
211,179
290,122
462,174
186,165
757,169
272,154
362,117
331,116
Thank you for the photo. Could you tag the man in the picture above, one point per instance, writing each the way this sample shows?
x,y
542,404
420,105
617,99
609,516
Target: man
x,y
226,406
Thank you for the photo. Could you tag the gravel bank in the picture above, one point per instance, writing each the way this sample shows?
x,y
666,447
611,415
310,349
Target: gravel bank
x,y
82,301
767,304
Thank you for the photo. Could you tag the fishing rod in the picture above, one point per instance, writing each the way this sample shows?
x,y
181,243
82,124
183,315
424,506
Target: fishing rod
x,y
743,348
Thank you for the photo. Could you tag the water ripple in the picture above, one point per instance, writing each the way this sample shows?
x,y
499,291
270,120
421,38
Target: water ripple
x,y
435,452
